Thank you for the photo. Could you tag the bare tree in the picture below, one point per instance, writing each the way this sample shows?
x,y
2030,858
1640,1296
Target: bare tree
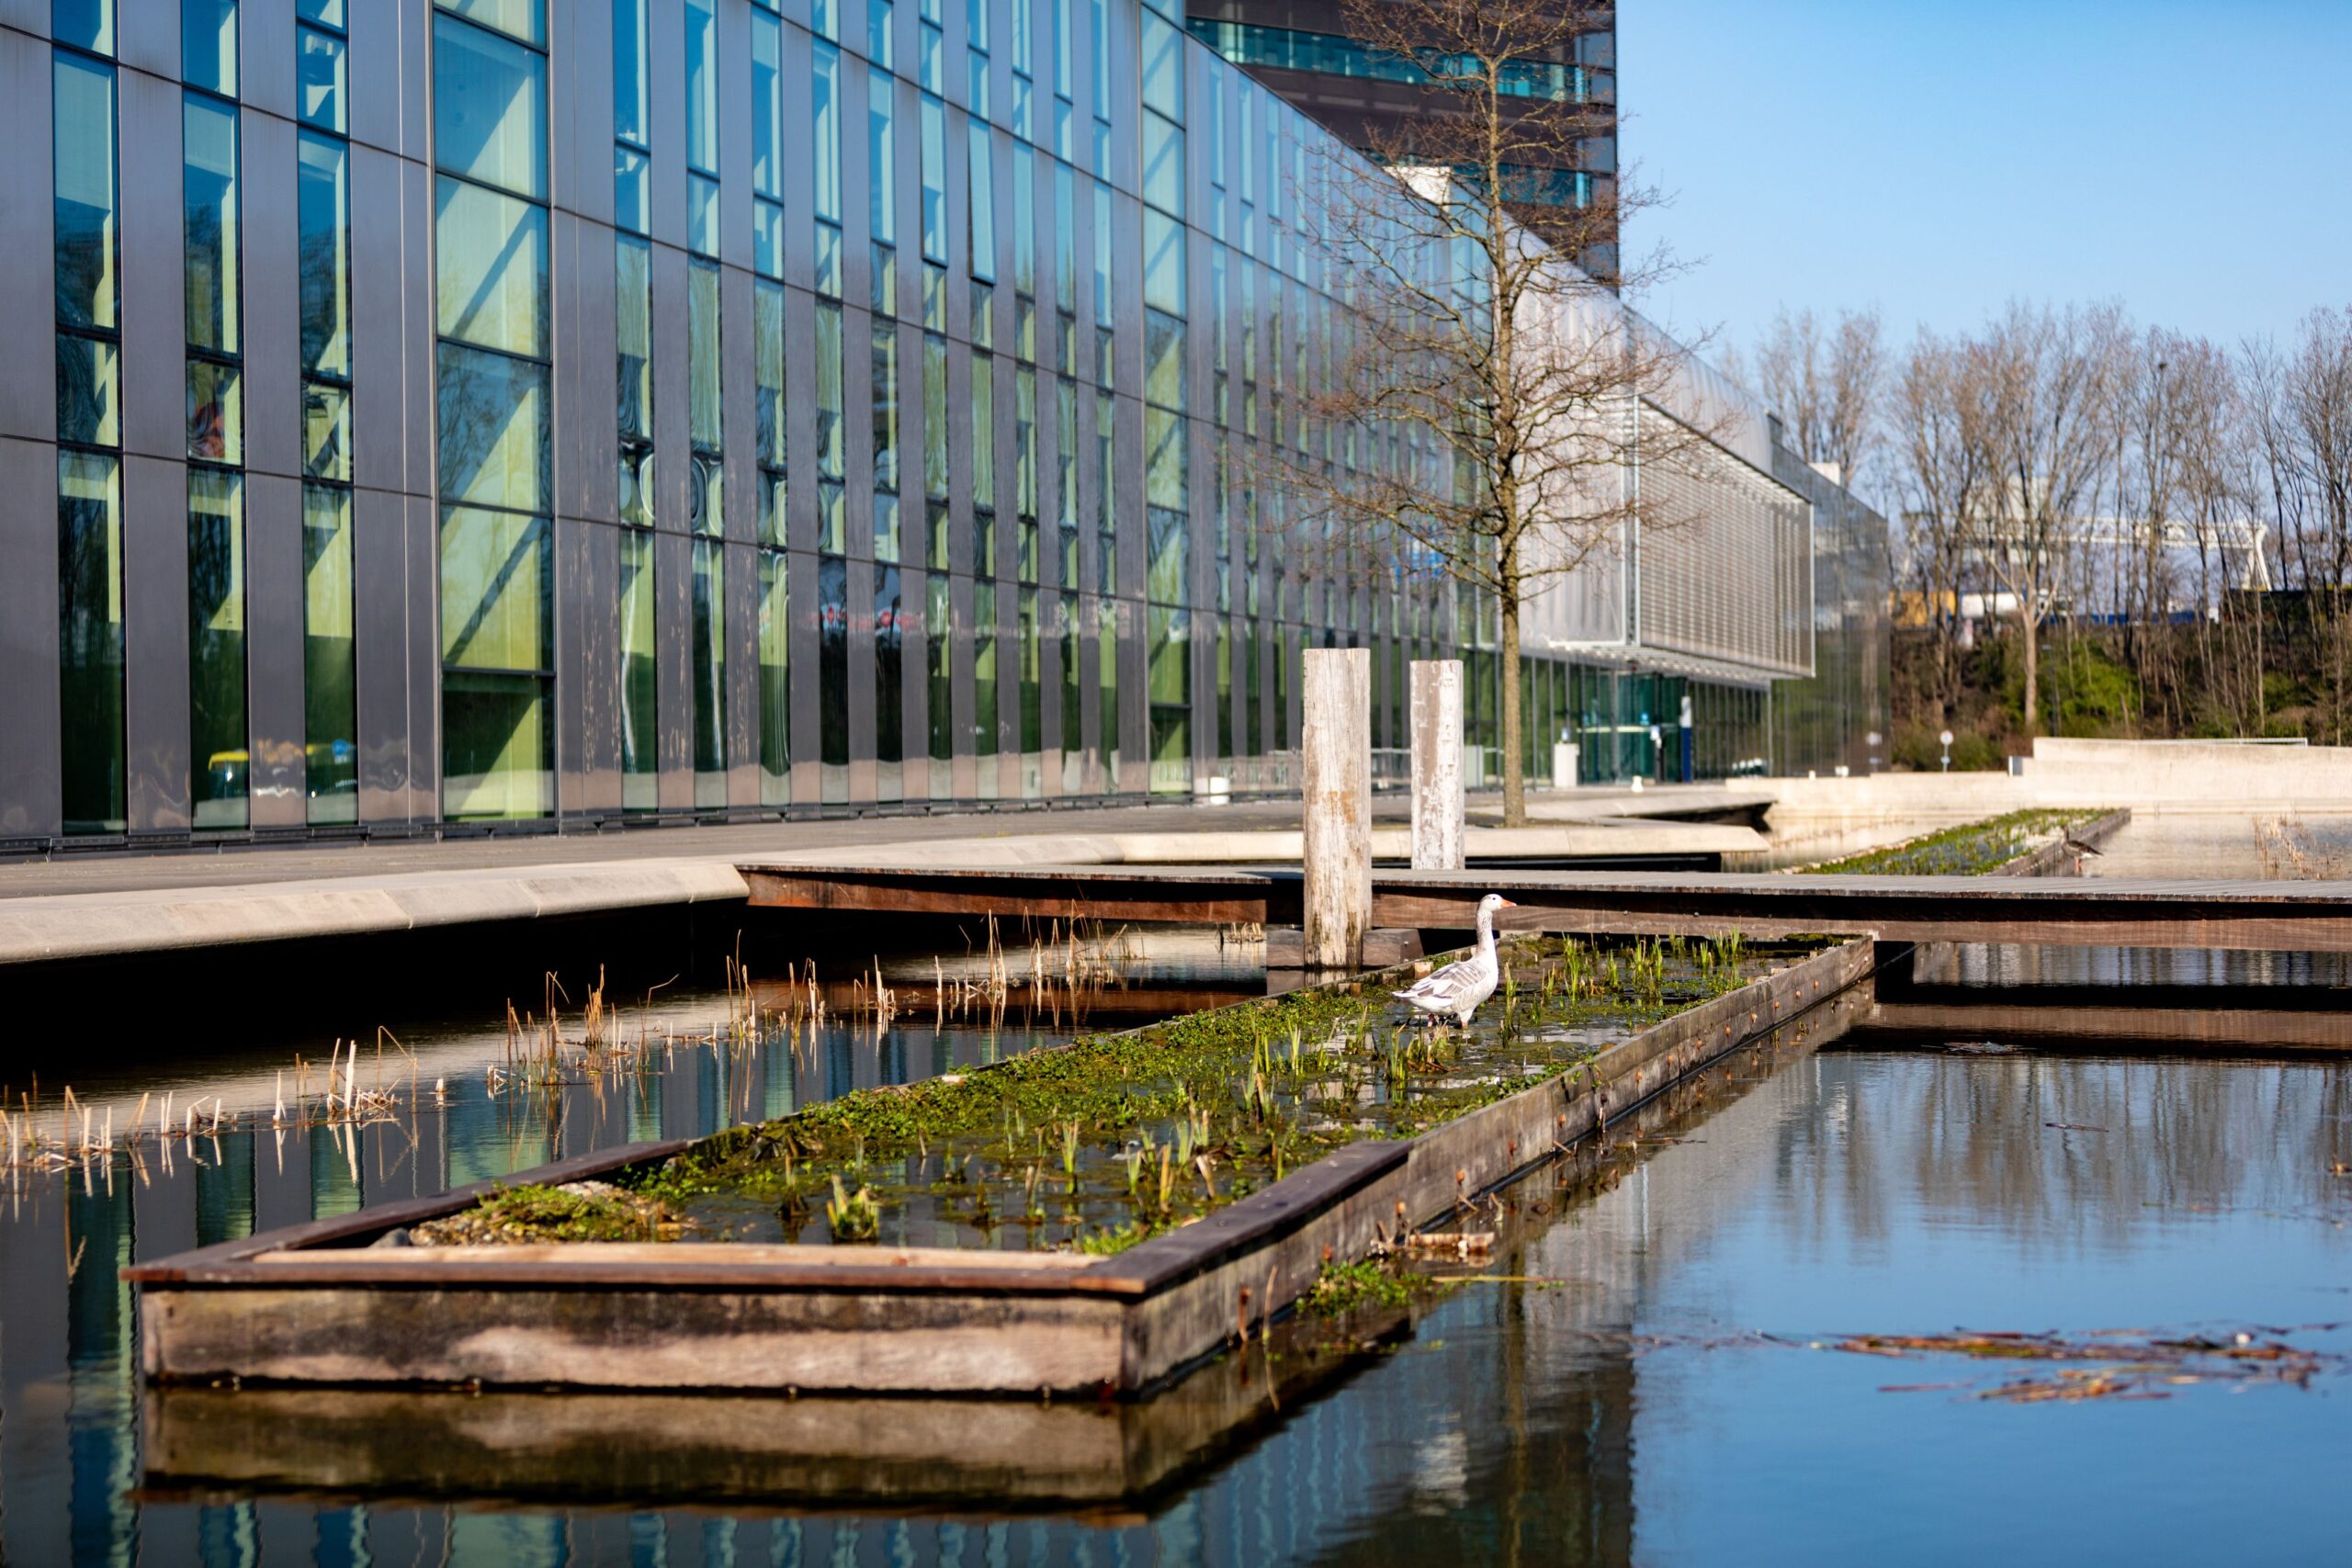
x,y
1826,383
2047,379
1488,399
1937,417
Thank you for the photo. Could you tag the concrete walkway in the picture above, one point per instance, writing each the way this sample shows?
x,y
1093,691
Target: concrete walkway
x,y
58,910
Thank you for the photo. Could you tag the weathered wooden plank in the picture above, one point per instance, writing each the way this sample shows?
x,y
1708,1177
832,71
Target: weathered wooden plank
x,y
1062,894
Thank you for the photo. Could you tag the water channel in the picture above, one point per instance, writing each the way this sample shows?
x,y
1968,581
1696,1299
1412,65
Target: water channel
x,y
1649,1369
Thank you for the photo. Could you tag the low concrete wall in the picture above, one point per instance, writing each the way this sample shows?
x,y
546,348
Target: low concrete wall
x,y
90,925
304,1305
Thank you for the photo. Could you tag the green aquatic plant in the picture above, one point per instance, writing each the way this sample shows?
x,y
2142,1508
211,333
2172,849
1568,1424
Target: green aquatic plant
x,y
852,1216
1971,849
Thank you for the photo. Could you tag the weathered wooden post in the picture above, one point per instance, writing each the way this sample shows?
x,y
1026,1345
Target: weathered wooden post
x,y
1336,696
1437,764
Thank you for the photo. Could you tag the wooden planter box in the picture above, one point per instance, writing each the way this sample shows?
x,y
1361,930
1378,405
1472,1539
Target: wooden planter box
x,y
313,1303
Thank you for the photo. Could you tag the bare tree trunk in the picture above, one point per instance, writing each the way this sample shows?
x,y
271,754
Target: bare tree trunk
x,y
2031,634
1514,771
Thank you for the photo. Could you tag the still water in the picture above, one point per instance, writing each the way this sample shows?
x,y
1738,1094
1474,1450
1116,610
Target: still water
x,y
1642,1383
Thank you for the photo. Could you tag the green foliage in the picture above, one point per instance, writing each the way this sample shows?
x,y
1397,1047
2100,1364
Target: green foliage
x,y
1345,1287
576,1212
1969,850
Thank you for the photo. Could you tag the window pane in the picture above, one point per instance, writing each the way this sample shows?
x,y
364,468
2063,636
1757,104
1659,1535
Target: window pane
x,y
87,24
491,255
832,672
936,649
641,735
767,304
829,391
319,71
934,417
934,180
326,431
775,684
631,116
767,105
709,670
1163,165
982,205
524,19
703,414
90,628
495,579
209,194
330,12
216,411
323,199
209,45
1163,263
488,108
216,647
881,159
702,87
632,201
633,276
826,109
497,745
886,406
493,423
84,111
889,682
88,393
330,677
1163,68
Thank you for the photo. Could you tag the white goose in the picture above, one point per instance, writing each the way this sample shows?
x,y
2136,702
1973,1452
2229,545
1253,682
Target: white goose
x,y
1459,988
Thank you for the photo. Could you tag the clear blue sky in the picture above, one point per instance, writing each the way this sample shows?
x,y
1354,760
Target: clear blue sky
x,y
1936,158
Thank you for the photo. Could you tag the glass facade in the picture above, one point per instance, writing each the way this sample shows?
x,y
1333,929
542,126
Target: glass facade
x,y
944,351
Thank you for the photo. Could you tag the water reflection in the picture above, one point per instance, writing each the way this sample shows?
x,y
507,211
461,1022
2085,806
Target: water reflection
x,y
1650,1398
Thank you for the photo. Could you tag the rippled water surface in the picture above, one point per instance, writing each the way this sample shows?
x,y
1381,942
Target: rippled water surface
x,y
1636,1380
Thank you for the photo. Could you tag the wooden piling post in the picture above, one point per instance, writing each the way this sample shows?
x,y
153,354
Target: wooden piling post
x,y
1336,693
1437,764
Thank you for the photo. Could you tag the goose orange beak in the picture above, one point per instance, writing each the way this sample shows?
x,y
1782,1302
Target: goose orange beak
x,y
1509,903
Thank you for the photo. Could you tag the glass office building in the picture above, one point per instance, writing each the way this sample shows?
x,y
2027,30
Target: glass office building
x,y
530,413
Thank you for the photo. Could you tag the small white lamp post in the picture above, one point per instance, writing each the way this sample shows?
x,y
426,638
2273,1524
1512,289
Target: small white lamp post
x,y
1946,739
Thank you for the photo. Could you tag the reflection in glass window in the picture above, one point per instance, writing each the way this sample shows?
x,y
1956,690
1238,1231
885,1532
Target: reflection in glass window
x,y
324,258
641,734
493,414
489,110
631,117
210,195
86,242
889,686
209,45
216,653
329,670
708,669
825,101
832,676
775,684
90,628
88,391
524,19
491,257
319,80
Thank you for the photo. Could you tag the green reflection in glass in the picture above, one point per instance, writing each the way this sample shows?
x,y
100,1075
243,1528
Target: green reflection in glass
x,y
90,626
330,676
220,763
641,733
708,665
775,683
